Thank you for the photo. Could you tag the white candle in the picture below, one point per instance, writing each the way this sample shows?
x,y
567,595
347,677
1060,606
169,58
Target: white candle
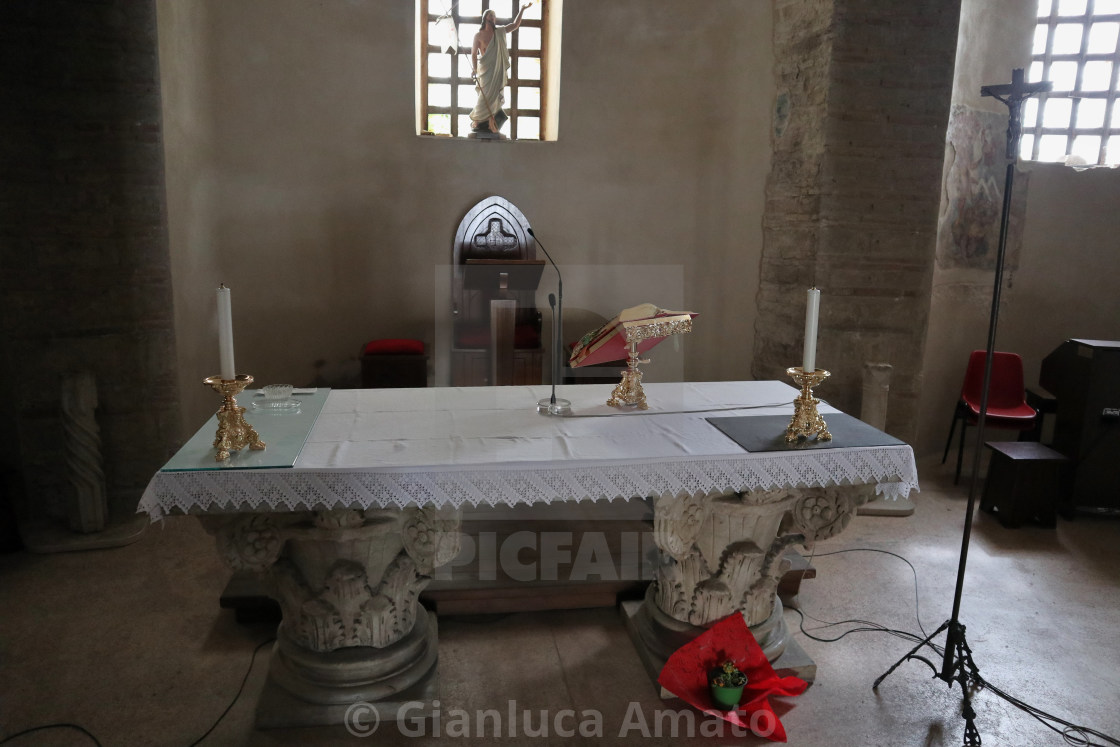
x,y
225,334
812,307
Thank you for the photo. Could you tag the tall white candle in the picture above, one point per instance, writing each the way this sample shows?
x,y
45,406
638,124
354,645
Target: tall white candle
x,y
812,308
225,334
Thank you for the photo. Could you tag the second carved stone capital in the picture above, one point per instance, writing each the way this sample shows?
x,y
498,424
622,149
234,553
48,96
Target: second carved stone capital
x,y
724,553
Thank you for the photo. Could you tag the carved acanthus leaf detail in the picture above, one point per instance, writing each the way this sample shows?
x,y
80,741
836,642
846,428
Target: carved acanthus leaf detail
x,y
347,611
677,522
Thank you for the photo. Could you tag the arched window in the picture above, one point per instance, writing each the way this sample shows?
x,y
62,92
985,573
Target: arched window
x,y
446,94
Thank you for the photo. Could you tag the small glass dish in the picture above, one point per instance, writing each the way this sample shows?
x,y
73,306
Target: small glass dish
x,y
276,397
277,391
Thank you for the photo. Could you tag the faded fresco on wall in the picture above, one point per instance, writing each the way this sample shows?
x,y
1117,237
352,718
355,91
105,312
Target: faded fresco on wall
x,y
968,231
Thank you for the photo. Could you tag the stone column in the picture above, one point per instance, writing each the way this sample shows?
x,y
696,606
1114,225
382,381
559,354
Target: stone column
x,y
722,555
348,583
85,281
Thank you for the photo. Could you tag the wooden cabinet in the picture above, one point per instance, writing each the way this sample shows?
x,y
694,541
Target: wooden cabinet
x,y
472,367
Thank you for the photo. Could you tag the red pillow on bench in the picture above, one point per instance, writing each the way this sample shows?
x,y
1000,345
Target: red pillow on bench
x,y
394,347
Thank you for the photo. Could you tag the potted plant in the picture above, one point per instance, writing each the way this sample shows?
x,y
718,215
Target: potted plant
x,y
726,684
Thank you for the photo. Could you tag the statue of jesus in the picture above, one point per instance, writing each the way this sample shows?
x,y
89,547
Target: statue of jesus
x,y
490,70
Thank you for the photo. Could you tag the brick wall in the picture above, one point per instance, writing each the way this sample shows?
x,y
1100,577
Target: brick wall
x,y
803,42
84,271
853,198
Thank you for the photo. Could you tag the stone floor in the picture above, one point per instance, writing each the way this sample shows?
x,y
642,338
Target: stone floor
x,y
130,644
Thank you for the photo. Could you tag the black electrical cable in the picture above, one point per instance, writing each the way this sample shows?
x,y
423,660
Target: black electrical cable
x,y
33,729
240,689
233,702
913,572
1073,734
867,627
1043,717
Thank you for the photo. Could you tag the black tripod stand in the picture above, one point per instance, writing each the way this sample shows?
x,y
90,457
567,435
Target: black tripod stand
x,y
957,664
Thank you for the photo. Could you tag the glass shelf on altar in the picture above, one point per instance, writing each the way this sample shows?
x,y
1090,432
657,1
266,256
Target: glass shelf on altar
x,y
284,430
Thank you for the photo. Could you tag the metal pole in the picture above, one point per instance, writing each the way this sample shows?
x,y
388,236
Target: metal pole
x,y
1016,94
978,451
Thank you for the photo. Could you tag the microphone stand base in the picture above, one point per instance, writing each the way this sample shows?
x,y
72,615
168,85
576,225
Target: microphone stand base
x,y
560,407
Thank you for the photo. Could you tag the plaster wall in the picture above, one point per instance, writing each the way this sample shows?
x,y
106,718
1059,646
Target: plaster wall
x,y
295,175
1066,286
1061,283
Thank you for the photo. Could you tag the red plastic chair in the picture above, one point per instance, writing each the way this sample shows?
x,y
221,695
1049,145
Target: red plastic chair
x,y
1007,399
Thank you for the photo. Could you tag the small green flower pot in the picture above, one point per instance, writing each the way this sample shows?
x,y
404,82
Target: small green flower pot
x,y
726,698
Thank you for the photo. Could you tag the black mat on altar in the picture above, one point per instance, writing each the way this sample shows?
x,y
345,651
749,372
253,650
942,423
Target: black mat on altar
x,y
768,433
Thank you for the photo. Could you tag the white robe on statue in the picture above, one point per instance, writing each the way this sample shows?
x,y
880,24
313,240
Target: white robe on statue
x,y
492,76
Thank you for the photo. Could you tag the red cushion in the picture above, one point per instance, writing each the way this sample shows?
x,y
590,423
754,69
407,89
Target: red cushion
x,y
1023,412
394,347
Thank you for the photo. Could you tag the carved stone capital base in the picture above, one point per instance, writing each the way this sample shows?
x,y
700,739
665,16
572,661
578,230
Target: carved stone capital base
x,y
358,673
293,698
723,555
793,661
348,583
662,634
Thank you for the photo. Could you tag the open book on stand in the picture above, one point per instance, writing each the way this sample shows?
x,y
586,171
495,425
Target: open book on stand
x,y
609,342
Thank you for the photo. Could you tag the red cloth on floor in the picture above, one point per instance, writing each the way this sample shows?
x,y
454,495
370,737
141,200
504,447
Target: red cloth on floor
x,y
686,676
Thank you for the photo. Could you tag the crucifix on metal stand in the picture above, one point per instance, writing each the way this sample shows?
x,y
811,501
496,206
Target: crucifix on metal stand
x,y
957,664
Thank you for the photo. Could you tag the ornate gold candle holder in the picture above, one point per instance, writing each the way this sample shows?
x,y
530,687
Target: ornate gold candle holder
x,y
629,392
807,422
234,433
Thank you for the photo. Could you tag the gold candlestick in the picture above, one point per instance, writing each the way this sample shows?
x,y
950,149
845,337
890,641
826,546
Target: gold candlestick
x,y
807,422
629,392
234,433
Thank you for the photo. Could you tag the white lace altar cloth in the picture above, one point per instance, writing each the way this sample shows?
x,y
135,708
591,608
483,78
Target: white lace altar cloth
x,y
488,445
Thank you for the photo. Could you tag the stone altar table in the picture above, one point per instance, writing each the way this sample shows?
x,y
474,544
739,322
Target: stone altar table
x,y
349,534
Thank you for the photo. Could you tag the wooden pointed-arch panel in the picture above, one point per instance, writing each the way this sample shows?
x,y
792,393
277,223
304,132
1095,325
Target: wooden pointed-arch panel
x,y
494,230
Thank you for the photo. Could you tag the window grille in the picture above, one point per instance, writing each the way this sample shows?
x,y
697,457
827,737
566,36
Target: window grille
x,y
447,93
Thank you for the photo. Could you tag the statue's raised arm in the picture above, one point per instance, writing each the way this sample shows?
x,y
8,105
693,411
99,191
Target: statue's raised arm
x,y
510,28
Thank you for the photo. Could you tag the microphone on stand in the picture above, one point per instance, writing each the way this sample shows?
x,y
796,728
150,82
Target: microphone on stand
x,y
552,305
552,405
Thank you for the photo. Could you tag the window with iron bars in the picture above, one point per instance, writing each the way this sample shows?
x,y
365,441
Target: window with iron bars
x,y
1077,48
447,93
